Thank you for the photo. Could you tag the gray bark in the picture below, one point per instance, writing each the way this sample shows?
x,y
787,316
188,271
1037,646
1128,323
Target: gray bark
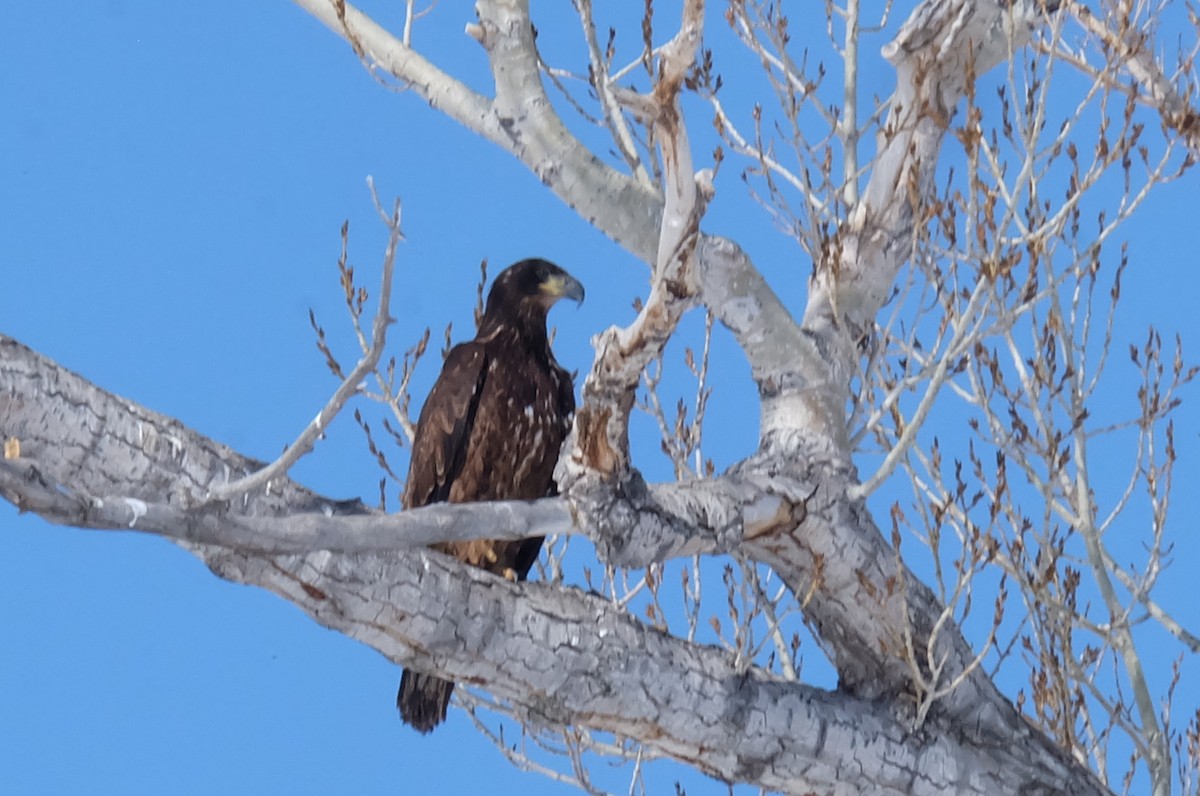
x,y
560,656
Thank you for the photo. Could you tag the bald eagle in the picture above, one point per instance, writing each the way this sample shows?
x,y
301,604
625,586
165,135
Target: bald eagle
x,y
491,429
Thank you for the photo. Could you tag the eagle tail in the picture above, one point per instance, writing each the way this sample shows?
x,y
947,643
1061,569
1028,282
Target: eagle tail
x,y
422,700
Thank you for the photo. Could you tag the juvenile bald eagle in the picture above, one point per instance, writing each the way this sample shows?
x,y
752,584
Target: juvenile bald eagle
x,y
491,429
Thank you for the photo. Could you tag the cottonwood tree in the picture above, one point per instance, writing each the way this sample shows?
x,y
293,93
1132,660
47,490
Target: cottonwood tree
x,y
960,234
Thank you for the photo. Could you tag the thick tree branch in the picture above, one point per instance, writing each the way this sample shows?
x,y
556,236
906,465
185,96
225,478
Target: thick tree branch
x,y
785,362
520,119
24,485
650,525
61,475
853,586
89,459
558,655
832,555
610,672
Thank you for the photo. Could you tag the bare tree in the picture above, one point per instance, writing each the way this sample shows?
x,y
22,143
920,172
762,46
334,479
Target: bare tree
x,y
961,263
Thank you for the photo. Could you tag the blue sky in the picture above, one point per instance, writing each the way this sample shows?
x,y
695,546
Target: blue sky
x,y
174,180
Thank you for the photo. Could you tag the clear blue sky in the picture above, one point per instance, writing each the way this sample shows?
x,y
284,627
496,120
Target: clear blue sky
x,y
173,181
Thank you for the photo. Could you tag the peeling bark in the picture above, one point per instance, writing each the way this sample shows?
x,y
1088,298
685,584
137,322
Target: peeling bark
x,y
560,656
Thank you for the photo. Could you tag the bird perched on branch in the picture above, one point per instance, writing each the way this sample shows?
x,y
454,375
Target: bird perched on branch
x,y
491,429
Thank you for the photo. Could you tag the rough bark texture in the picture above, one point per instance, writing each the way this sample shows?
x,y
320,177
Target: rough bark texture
x,y
559,655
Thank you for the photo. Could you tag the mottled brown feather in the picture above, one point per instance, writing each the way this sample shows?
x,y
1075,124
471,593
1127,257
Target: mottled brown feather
x,y
491,429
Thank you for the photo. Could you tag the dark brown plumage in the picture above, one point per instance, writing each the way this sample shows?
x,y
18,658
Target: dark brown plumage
x,y
491,429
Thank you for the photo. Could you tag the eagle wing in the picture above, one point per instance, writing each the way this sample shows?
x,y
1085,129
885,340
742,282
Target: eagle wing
x,y
490,429
444,429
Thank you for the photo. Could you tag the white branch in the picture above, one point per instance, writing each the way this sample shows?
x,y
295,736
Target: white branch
x,y
1175,110
349,387
524,125
557,655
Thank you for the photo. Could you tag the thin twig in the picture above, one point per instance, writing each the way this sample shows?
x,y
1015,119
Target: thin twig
x,y
347,389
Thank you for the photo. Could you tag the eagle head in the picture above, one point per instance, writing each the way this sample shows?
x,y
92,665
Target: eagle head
x,y
531,285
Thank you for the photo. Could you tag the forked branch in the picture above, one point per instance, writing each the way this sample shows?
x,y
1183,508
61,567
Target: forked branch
x,y
349,387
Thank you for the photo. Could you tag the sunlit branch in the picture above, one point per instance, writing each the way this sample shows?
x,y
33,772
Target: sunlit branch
x,y
1176,111
962,339
350,386
849,124
601,80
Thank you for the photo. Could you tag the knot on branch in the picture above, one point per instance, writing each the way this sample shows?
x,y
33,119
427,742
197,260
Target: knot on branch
x,y
599,444
633,524
608,511
496,24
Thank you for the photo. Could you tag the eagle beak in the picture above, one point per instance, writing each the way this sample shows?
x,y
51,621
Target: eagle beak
x,y
563,286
